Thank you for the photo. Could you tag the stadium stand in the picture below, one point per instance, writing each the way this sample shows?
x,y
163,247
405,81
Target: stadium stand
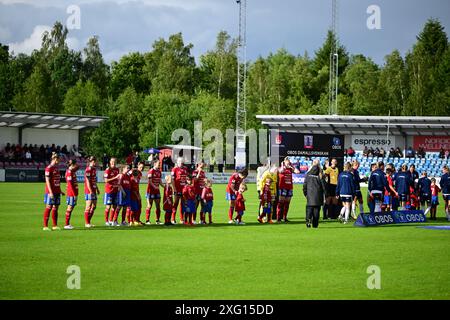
x,y
432,164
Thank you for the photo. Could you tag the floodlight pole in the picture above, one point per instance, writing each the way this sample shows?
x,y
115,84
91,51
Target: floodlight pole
x,y
334,64
241,108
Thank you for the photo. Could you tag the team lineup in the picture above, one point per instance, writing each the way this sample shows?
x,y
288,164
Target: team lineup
x,y
190,191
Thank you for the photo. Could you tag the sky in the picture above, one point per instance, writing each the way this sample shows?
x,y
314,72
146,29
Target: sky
x,y
299,26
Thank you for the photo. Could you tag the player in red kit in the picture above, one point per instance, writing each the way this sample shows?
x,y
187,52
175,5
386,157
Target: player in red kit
x,y
123,196
72,191
285,189
153,195
90,191
199,178
111,175
240,203
168,200
207,199
138,178
189,198
232,190
266,202
179,174
52,198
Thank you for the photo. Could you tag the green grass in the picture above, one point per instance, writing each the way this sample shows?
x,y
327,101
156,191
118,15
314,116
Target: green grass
x,y
215,262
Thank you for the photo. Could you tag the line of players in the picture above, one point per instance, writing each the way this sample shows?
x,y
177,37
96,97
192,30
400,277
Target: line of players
x,y
390,190
182,189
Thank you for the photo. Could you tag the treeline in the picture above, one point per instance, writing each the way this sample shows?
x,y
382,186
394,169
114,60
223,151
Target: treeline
x,y
152,93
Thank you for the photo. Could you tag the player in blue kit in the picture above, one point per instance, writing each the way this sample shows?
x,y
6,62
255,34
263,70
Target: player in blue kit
x,y
424,188
345,190
445,187
403,184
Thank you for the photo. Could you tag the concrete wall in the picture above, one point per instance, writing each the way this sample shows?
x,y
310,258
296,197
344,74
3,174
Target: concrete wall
x,y
8,134
49,136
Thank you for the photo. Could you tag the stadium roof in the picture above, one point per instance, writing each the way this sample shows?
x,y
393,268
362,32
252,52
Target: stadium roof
x,y
358,125
48,120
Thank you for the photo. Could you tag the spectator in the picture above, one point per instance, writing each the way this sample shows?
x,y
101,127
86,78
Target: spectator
x,y
350,152
28,155
105,161
382,153
441,153
392,153
314,190
64,150
376,152
447,153
136,159
421,153
410,153
129,159
366,151
399,152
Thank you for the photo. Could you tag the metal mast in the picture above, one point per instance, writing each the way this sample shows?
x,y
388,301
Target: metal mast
x,y
241,110
334,62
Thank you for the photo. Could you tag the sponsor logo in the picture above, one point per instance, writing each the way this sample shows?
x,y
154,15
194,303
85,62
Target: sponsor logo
x,y
278,139
336,143
308,141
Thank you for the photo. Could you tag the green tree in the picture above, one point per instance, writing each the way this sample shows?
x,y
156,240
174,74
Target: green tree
x,y
321,62
119,135
422,67
362,77
170,66
5,78
394,82
165,112
218,68
38,95
63,65
94,67
129,72
84,98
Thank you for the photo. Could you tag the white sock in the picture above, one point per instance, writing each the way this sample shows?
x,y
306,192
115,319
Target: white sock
x,y
343,211
377,206
347,213
427,210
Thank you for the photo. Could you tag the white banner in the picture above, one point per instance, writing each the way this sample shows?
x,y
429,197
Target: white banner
x,y
373,141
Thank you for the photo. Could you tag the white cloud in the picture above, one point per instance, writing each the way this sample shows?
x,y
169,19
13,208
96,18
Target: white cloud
x,y
32,42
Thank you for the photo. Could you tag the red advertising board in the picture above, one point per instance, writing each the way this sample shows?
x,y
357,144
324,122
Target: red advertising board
x,y
432,143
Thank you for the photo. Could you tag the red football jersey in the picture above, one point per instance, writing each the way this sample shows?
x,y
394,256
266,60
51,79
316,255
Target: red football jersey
x,y
134,183
266,195
179,175
207,194
72,183
53,173
435,190
285,178
189,192
154,175
389,191
90,174
240,203
168,199
236,180
112,186
199,182
125,181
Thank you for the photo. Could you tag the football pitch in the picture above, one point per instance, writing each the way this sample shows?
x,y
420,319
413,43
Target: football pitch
x,y
221,261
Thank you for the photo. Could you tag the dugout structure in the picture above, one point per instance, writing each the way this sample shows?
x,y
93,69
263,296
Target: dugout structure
x,y
359,131
44,128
